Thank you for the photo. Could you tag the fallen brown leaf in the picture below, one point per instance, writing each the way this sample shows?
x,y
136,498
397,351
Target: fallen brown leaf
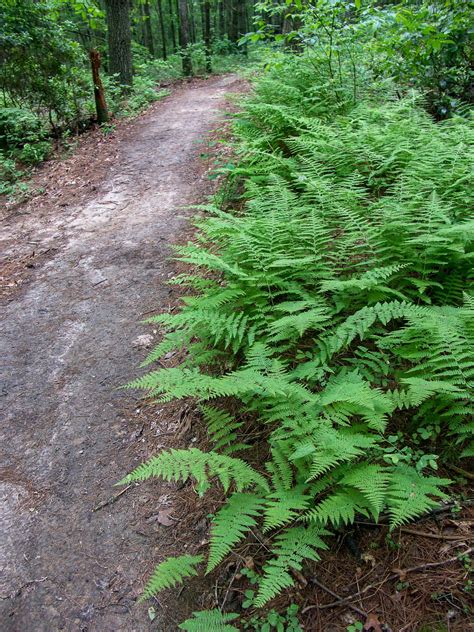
x,y
164,518
372,624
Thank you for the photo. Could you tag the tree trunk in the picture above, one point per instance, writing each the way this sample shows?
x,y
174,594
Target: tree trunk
x,y
238,18
138,31
234,20
221,10
148,32
162,29
119,40
192,23
100,103
172,25
184,37
243,24
207,34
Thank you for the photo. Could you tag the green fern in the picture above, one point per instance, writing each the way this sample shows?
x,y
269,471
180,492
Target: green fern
x,y
222,430
230,525
210,621
284,506
171,572
176,465
339,508
371,480
334,303
410,494
291,548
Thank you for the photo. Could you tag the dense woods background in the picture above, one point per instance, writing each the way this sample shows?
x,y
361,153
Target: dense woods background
x,y
46,48
46,83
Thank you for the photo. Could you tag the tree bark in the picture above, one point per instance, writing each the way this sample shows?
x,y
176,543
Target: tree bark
x,y
148,32
99,95
138,31
243,24
184,37
192,23
172,25
162,29
237,22
207,34
119,40
221,11
233,17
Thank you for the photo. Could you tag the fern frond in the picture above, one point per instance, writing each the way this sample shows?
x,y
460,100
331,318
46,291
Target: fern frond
x,y
410,494
230,525
292,547
283,506
171,572
210,621
330,447
350,394
371,480
339,508
288,327
175,465
359,324
222,429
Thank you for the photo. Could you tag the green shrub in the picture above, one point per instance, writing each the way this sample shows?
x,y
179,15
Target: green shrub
x,y
423,44
9,174
337,308
34,153
159,70
427,45
143,93
19,126
39,60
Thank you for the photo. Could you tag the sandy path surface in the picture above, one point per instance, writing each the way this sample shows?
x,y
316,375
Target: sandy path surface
x,y
67,342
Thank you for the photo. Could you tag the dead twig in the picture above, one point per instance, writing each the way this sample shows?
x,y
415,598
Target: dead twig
x,y
435,536
462,472
401,572
111,500
229,586
99,282
339,599
28,583
423,567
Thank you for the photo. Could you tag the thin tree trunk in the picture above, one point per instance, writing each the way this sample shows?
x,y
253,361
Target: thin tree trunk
x,y
203,20
148,31
172,25
184,37
192,22
238,18
243,24
119,40
233,21
207,34
162,29
99,95
221,10
138,31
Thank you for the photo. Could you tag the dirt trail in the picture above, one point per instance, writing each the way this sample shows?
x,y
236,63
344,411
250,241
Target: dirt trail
x,y
67,337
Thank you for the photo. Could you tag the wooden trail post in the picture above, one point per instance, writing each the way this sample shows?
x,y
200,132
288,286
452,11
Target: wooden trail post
x,y
99,95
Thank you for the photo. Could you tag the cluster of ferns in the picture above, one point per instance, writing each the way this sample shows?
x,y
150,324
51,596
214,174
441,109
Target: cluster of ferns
x,y
336,307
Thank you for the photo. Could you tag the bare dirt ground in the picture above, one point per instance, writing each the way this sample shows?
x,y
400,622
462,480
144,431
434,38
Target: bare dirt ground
x,y
82,269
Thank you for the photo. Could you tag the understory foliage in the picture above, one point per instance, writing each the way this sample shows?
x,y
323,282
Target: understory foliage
x,y
336,307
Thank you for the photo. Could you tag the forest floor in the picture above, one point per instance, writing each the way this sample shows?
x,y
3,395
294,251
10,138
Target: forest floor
x,y
87,258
